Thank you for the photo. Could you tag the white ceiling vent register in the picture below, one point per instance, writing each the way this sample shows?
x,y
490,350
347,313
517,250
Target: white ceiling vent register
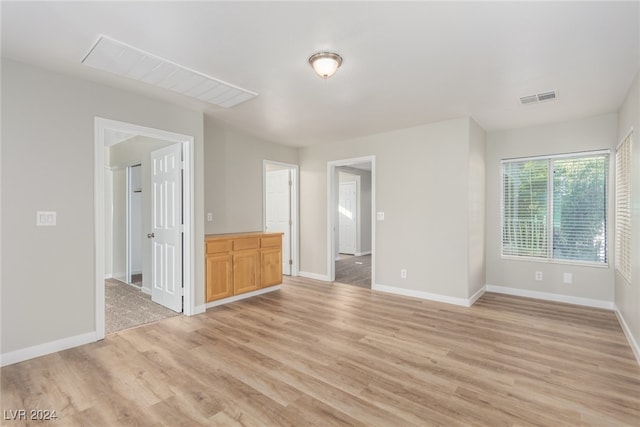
x,y
539,97
118,58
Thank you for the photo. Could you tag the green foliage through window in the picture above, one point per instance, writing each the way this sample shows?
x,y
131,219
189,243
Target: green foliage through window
x,y
555,208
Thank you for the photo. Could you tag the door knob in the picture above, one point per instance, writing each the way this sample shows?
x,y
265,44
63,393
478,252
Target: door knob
x,y
151,235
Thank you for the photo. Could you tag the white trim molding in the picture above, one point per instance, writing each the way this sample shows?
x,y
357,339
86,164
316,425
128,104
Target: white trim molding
x,y
362,253
47,348
199,309
548,296
314,276
475,297
635,348
464,302
242,296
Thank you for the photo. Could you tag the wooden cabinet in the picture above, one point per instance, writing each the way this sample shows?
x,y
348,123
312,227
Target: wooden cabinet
x,y
246,271
270,261
219,277
239,263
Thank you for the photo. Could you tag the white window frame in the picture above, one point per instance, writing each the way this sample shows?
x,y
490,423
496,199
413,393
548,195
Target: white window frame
x,y
549,258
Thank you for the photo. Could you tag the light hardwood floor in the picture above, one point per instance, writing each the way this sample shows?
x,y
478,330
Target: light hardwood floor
x,y
354,270
321,354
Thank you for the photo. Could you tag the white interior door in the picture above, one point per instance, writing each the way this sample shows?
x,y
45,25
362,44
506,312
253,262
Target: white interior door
x,y
278,210
166,223
347,217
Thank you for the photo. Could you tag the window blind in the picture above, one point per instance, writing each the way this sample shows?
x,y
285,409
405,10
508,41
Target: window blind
x,y
580,209
623,209
555,208
525,208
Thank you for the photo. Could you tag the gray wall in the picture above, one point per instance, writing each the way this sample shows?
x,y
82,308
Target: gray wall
x,y
595,133
233,176
477,207
426,205
48,274
116,225
628,295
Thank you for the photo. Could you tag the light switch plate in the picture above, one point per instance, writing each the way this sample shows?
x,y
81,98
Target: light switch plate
x,y
45,219
380,216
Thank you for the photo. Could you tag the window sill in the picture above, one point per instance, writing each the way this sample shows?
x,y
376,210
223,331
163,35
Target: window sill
x,y
555,261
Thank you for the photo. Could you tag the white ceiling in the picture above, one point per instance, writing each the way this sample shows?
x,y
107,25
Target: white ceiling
x,y
405,63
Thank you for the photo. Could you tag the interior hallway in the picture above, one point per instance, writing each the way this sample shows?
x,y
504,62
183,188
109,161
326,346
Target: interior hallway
x,y
354,270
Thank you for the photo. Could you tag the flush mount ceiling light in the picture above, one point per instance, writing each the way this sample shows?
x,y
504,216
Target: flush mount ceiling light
x,y
119,58
325,64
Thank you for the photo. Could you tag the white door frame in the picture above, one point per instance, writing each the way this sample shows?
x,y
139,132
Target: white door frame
x,y
101,126
295,230
127,261
332,209
129,270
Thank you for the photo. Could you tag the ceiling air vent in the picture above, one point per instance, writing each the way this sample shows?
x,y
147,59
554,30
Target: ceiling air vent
x,y
128,61
539,97
529,99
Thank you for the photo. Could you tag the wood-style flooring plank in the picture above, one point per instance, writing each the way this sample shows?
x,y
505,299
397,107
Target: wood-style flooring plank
x,y
319,354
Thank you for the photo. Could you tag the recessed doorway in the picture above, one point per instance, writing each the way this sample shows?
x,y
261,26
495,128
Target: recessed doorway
x,y
173,168
132,273
351,229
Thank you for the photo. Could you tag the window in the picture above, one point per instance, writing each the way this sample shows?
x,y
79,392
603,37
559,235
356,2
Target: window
x,y
623,209
555,208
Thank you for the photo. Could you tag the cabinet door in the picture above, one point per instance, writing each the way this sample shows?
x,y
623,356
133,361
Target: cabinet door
x,y
246,271
271,266
219,277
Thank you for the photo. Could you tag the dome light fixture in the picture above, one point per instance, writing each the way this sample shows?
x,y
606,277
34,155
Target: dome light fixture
x,y
325,64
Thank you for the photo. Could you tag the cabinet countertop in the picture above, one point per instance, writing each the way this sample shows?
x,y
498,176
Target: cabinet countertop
x,y
242,235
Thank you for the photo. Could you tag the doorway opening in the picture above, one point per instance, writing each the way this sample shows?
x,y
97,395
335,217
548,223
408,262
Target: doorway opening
x,y
351,213
280,209
166,228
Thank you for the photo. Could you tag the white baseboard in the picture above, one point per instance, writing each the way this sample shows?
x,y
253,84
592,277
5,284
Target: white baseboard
x,y
145,290
362,253
21,355
199,309
477,295
627,332
108,276
242,296
587,302
314,276
465,302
